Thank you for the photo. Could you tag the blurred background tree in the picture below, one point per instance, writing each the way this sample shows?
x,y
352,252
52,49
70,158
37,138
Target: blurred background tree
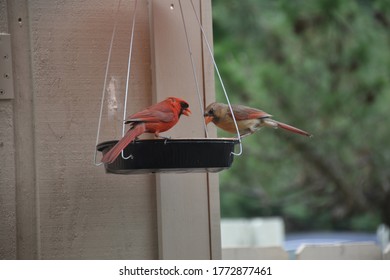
x,y
323,66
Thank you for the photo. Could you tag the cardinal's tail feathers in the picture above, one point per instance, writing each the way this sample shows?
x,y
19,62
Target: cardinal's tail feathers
x,y
276,124
130,135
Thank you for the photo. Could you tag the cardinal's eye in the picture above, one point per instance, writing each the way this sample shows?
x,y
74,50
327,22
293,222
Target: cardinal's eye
x,y
211,111
184,105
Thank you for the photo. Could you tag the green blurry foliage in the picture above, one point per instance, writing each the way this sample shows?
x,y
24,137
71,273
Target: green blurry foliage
x,y
323,66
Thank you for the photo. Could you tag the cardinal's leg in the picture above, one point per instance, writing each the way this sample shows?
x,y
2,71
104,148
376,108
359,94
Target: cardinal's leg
x,y
162,137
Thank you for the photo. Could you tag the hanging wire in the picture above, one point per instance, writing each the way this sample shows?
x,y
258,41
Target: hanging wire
x,y
128,77
194,71
220,79
105,83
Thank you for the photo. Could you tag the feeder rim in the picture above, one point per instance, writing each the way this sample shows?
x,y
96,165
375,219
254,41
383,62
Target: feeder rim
x,y
216,139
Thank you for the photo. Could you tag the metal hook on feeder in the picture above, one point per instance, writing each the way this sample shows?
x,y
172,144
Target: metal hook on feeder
x,y
124,157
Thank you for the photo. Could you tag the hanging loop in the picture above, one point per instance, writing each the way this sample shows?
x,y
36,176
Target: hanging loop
x,y
194,71
220,79
105,83
128,77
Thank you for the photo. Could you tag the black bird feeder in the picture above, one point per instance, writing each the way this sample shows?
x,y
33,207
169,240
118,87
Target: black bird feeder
x,y
172,155
168,155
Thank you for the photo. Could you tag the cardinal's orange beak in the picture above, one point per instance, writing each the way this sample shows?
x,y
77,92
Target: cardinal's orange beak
x,y
208,119
187,112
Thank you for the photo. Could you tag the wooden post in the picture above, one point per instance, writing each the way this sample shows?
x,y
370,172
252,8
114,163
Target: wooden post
x,y
25,176
187,204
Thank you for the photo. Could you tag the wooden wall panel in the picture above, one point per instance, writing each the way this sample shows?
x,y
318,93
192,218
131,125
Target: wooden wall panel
x,y
54,203
7,166
84,213
7,183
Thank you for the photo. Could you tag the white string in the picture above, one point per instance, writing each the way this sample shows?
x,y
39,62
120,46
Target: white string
x,y
128,76
220,79
105,82
194,71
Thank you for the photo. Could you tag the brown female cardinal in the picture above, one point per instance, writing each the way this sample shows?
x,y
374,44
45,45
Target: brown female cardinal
x,y
249,120
154,119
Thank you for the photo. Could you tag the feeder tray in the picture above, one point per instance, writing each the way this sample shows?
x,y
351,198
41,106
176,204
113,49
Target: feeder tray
x,y
172,155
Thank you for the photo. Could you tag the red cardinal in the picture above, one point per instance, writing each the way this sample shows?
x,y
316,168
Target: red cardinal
x,y
154,119
249,120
